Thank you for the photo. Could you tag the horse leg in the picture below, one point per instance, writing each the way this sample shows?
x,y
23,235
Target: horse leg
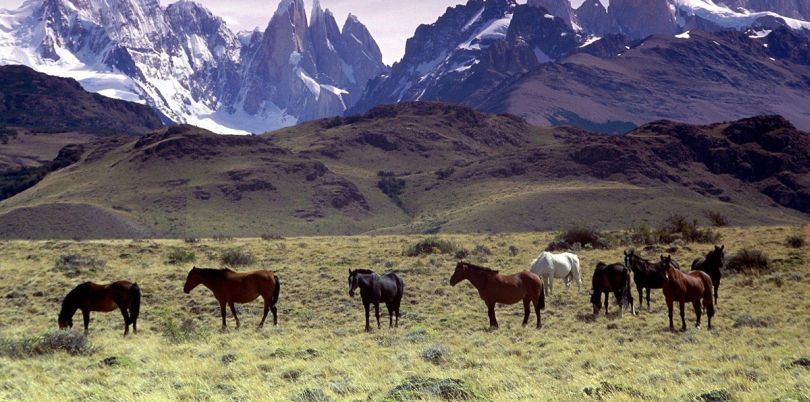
x,y
648,300
86,317
698,310
526,311
377,313
222,312
390,315
669,309
126,319
536,302
493,322
683,316
266,310
607,297
551,284
233,310
367,305
396,311
716,288
640,296
134,321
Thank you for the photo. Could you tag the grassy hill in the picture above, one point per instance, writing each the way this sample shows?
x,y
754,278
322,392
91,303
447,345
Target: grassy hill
x,y
424,168
442,348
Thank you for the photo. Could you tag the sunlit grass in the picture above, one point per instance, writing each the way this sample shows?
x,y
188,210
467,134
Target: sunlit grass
x,y
320,347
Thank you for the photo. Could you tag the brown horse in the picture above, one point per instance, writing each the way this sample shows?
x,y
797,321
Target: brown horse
x,y
231,287
687,288
504,289
123,295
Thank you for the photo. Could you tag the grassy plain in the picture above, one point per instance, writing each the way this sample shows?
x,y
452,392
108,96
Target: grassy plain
x,y
442,348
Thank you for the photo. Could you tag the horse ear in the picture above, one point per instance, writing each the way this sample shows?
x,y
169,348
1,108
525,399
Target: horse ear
x,y
723,247
350,271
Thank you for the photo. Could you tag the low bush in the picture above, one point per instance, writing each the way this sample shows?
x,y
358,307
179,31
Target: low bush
x,y
431,245
72,265
795,241
392,187
50,342
582,235
180,256
272,237
716,218
186,331
748,261
236,258
678,227
424,388
435,354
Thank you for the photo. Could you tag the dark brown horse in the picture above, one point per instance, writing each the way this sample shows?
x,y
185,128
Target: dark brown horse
x,y
231,287
711,264
87,297
647,274
684,288
613,278
376,289
504,289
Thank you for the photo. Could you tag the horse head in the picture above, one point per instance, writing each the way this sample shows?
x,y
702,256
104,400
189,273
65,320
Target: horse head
x,y
459,274
628,257
596,300
719,253
666,264
192,280
65,322
352,282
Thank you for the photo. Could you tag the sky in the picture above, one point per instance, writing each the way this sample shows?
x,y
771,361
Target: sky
x,y
391,22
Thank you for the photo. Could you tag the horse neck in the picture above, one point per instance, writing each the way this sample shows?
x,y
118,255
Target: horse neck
x,y
207,279
478,279
69,306
365,281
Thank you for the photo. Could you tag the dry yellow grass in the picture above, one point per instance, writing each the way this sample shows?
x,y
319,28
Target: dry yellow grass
x,y
320,343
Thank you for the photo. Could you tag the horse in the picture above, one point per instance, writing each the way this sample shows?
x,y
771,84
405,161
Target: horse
x,y
647,274
375,289
711,264
687,287
89,296
549,266
612,278
231,287
504,289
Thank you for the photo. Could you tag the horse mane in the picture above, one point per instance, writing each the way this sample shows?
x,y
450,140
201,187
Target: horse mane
x,y
362,271
70,304
215,271
480,268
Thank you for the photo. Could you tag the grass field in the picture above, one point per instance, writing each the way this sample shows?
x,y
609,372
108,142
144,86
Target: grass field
x,y
442,349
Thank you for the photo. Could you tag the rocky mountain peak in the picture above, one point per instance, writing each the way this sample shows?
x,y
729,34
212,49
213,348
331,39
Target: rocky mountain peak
x,y
558,8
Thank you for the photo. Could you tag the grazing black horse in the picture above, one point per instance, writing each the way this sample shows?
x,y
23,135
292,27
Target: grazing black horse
x,y
376,289
647,274
613,278
711,264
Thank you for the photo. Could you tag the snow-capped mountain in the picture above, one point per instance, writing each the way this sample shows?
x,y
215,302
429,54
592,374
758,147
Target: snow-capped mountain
x,y
186,63
474,48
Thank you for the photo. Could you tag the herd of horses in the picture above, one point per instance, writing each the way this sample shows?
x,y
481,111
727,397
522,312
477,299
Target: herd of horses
x,y
699,287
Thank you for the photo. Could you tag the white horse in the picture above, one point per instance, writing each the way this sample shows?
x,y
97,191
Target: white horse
x,y
549,266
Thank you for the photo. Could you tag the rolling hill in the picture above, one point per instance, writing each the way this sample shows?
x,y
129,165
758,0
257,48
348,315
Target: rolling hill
x,y
420,168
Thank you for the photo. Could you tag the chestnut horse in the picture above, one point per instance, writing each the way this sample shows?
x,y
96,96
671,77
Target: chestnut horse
x,y
231,287
687,288
89,296
711,264
504,289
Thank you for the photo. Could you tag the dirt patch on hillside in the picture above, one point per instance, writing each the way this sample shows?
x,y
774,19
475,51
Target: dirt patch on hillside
x,y
68,221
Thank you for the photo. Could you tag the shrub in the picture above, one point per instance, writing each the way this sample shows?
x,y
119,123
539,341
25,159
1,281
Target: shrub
x,y
312,395
747,320
192,240
716,218
581,235
462,254
748,261
50,342
272,237
795,241
180,256
435,354
481,250
431,245
423,388
72,265
678,227
236,258
187,331
392,187
513,251
443,174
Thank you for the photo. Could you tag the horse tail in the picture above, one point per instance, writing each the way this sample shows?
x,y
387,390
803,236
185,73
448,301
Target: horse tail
x,y
274,299
542,301
708,300
135,301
